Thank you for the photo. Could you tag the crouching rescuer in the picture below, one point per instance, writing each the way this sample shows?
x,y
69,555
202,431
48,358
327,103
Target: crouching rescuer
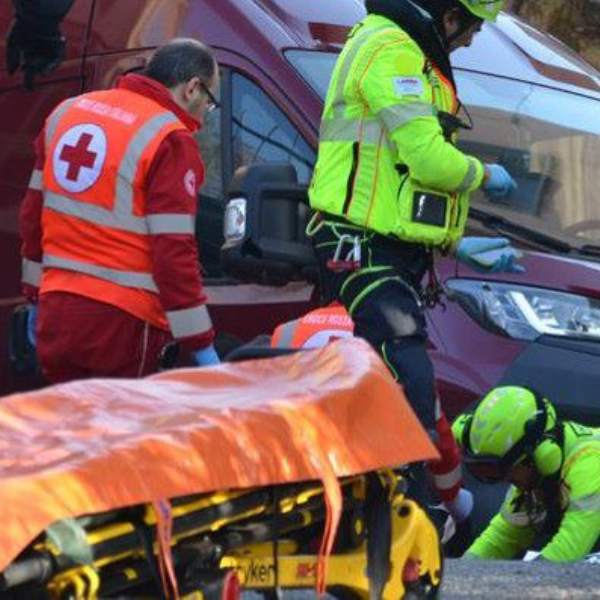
x,y
108,222
515,436
390,188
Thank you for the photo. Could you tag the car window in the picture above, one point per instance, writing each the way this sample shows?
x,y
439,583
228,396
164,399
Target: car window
x,y
315,68
209,222
262,132
550,142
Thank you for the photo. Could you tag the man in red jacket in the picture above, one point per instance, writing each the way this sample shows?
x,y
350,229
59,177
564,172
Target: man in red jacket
x,y
107,223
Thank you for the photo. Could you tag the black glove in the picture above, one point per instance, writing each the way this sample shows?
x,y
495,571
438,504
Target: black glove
x,y
33,53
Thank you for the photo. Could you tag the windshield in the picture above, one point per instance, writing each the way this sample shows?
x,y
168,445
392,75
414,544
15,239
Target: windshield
x,y
315,68
548,139
550,142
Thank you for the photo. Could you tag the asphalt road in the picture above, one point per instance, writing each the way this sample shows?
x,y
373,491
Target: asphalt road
x,y
517,580
505,580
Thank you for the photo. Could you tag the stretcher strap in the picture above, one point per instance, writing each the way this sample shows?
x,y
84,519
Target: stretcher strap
x,y
305,428
333,504
164,529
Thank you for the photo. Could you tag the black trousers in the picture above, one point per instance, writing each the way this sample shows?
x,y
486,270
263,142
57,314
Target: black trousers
x,y
383,298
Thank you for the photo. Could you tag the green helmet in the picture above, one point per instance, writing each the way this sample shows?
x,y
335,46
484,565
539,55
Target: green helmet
x,y
505,417
483,9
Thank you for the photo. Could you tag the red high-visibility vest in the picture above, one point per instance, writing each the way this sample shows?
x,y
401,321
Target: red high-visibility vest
x,y
95,240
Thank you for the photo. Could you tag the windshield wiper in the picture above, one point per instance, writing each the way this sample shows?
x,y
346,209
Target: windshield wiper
x,y
503,225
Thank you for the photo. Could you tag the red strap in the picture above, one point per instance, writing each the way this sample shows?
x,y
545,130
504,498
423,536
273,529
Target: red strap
x,y
164,529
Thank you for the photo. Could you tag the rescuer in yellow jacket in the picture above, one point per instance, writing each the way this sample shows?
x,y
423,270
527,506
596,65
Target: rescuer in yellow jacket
x,y
390,187
514,435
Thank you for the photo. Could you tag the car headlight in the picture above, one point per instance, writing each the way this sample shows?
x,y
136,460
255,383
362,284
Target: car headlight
x,y
525,313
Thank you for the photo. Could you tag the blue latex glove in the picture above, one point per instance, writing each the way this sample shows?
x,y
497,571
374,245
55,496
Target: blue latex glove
x,y
499,183
206,357
32,313
505,263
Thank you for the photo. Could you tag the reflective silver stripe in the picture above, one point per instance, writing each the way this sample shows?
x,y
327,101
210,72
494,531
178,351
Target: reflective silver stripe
x,y
349,130
438,408
35,183
523,519
131,160
154,224
55,117
590,502
94,214
190,321
448,480
517,519
339,103
399,114
165,224
31,272
469,178
130,279
286,335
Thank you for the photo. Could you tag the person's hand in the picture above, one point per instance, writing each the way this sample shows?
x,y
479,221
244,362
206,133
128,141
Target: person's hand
x,y
498,183
206,357
461,507
489,255
32,312
32,53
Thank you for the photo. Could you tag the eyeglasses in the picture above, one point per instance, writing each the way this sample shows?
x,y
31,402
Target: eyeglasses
x,y
212,101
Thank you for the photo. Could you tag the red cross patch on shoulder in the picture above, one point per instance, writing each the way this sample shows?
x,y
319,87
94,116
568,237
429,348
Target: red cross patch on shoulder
x,y
189,181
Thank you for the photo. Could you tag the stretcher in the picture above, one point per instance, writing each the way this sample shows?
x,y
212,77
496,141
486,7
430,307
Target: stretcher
x,y
263,475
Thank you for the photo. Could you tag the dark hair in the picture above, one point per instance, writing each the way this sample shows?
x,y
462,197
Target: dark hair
x,y
438,8
179,61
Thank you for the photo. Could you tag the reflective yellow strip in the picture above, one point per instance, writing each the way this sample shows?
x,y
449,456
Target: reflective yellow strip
x,y
469,178
399,114
129,279
35,182
31,272
189,321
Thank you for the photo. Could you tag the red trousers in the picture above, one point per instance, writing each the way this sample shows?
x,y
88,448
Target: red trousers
x,y
79,338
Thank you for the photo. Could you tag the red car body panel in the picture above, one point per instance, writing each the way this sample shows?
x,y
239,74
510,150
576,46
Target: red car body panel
x,y
110,37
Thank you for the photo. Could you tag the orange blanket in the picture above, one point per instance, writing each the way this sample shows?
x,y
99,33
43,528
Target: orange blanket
x,y
91,446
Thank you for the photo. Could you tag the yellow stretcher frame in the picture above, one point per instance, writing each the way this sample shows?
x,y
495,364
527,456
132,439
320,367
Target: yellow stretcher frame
x,y
414,538
268,564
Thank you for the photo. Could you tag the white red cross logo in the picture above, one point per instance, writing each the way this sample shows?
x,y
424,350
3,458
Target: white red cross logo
x,y
79,157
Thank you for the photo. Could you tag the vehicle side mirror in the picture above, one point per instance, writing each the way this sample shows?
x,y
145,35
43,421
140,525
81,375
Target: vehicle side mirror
x,y
264,227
